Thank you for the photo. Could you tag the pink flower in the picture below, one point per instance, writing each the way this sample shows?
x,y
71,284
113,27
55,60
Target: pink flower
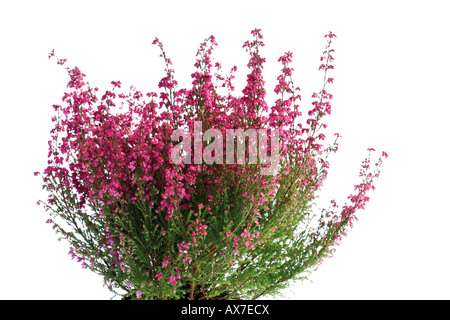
x,y
159,276
138,294
166,262
116,83
172,280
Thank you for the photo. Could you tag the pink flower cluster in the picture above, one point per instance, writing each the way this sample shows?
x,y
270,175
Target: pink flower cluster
x,y
141,217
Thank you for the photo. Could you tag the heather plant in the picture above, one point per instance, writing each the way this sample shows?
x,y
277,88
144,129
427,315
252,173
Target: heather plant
x,y
144,199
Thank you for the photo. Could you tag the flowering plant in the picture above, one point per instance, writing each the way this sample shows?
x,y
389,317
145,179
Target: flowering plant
x,y
125,193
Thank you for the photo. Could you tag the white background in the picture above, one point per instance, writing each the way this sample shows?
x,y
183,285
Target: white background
x,y
390,93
